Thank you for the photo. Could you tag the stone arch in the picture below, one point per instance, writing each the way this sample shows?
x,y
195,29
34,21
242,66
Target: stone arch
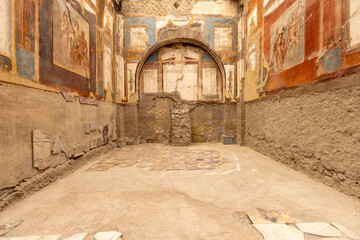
x,y
167,42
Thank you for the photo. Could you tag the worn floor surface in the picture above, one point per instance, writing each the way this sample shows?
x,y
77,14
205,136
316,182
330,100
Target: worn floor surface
x,y
160,192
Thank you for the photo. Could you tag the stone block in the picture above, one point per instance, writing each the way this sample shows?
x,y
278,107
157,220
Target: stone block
x,y
41,149
87,128
229,140
93,127
67,97
78,151
93,144
88,101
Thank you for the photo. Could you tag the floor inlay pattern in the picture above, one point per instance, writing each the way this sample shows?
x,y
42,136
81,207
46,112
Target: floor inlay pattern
x,y
157,157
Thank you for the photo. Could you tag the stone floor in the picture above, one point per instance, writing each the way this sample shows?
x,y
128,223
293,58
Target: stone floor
x,y
154,192
161,157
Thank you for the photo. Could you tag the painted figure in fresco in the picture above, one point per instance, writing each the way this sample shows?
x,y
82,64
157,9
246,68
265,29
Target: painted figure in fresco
x,y
279,47
81,50
79,46
294,35
67,36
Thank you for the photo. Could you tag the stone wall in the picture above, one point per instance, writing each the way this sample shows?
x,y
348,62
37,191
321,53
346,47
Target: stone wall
x,y
209,121
42,130
314,129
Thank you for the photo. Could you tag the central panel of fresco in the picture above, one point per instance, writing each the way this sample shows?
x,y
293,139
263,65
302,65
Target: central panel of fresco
x,y
183,68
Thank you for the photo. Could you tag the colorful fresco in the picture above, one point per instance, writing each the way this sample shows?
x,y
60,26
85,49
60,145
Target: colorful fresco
x,y
5,28
138,37
71,38
288,38
131,69
148,22
223,38
252,21
354,16
25,24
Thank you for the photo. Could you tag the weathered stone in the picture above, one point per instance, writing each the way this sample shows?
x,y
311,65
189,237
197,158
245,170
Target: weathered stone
x,y
88,101
58,146
93,144
41,163
68,98
78,151
87,128
86,148
229,140
181,125
93,127
41,149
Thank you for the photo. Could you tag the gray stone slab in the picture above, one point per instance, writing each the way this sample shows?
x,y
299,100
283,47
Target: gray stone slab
x,y
93,144
67,97
88,101
87,128
41,149
78,151
93,127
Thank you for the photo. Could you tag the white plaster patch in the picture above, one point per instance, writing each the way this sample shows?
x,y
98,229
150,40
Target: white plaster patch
x,y
209,81
107,69
181,78
150,80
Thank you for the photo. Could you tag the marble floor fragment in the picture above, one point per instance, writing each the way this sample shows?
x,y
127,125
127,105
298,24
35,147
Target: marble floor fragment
x,y
347,231
319,229
279,232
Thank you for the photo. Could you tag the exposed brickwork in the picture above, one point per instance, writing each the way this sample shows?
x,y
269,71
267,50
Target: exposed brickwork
x,y
315,132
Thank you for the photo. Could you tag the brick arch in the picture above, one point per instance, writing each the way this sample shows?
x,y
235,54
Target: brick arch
x,y
167,42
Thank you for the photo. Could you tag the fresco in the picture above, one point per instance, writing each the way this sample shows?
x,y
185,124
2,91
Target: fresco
x,y
131,69
151,81
25,24
230,81
354,15
5,28
252,21
288,38
108,21
148,22
107,57
138,37
223,38
71,38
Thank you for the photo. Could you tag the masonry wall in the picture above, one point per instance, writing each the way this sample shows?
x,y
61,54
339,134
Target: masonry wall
x,y
314,129
68,129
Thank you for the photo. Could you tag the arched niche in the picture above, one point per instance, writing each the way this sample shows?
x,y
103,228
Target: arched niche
x,y
173,41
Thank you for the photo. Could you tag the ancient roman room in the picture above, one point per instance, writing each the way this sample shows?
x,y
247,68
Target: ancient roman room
x,y
179,120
